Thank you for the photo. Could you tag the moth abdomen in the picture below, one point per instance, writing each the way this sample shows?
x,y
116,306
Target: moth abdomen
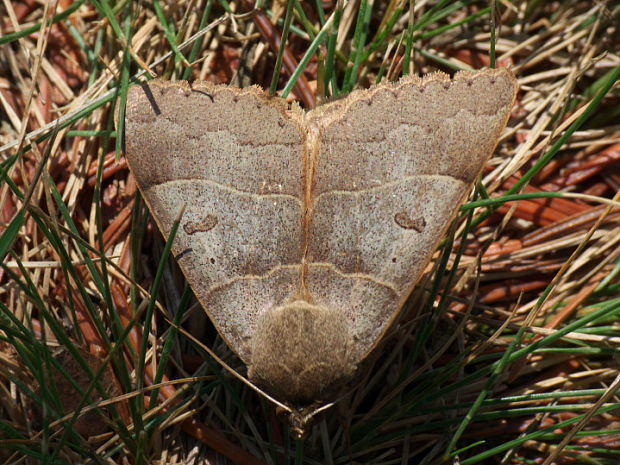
x,y
300,352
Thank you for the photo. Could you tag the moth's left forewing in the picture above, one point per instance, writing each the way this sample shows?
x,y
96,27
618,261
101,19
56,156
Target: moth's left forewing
x,y
233,159
394,164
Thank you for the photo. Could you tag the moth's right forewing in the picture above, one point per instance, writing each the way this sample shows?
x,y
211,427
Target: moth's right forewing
x,y
395,163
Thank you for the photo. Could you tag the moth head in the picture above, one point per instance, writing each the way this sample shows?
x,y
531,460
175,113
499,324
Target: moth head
x,y
301,353
300,420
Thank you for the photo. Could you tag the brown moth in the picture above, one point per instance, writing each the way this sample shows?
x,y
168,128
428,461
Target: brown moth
x,y
305,232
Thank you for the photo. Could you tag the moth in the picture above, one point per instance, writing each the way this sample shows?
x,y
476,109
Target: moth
x,y
304,233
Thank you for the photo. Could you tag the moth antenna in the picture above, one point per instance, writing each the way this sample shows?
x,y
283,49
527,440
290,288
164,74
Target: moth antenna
x,y
231,370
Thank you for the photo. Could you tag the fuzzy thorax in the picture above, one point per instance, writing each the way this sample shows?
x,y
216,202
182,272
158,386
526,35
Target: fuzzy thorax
x,y
301,353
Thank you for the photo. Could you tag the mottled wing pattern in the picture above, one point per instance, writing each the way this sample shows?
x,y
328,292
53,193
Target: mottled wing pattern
x,y
395,163
235,162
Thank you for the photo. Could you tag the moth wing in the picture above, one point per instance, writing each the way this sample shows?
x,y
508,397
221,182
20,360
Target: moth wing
x,y
234,159
394,165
